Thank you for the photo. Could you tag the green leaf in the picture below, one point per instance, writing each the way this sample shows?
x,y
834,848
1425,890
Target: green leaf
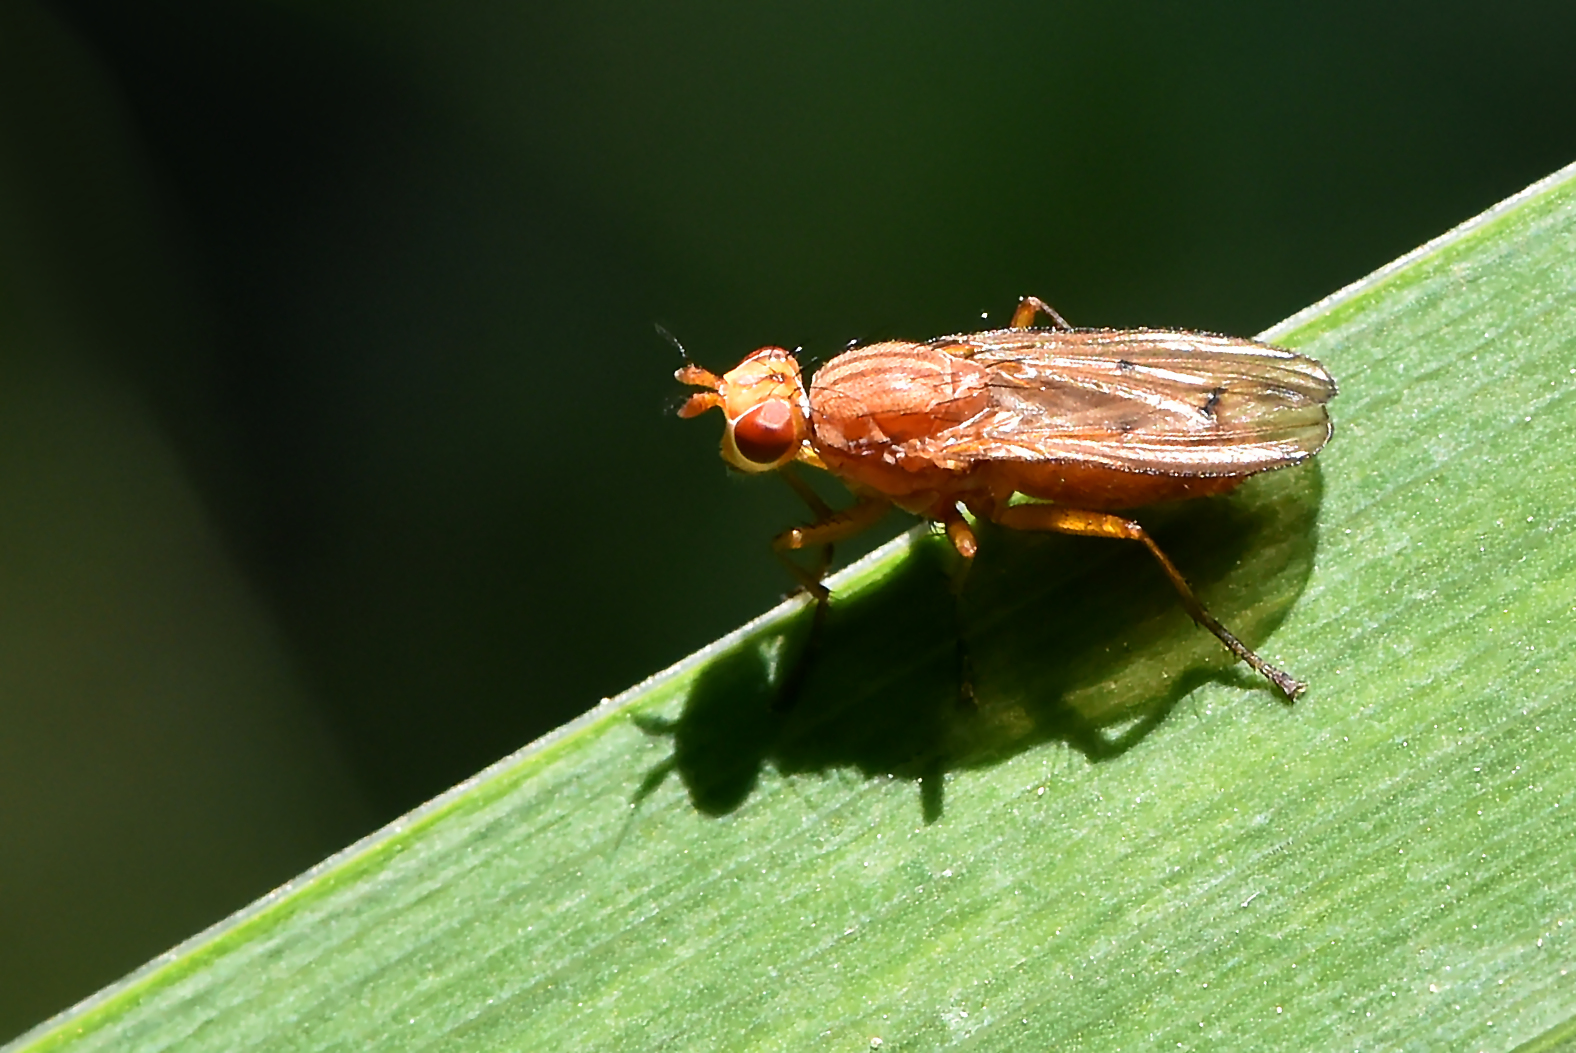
x,y
1129,843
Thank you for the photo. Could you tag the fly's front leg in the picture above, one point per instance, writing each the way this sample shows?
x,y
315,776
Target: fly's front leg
x,y
1029,306
1099,524
809,581
830,527
824,533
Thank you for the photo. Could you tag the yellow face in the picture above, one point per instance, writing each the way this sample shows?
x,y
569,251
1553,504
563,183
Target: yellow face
x,y
765,406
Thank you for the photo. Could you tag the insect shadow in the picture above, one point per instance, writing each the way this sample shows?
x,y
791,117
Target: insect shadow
x,y
1075,640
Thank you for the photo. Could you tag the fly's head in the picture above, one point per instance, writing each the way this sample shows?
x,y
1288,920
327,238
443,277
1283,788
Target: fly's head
x,y
765,406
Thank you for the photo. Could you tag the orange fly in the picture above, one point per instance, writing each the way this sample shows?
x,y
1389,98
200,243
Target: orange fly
x,y
1087,421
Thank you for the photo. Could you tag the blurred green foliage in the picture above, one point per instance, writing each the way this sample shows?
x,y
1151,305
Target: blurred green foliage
x,y
339,460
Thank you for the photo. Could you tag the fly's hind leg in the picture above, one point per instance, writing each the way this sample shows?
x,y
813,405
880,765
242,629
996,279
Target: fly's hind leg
x,y
1099,524
1029,306
830,527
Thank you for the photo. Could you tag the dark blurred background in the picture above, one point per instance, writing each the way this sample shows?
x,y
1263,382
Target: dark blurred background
x,y
336,447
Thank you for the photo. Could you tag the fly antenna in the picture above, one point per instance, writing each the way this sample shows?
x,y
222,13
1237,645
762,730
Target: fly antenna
x,y
695,376
670,338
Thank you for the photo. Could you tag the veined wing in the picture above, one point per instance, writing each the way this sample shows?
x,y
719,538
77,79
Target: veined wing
x,y
1136,400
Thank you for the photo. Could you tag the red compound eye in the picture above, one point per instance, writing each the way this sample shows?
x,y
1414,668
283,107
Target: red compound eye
x,y
765,433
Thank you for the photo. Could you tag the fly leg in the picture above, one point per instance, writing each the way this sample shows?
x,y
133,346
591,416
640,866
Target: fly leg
x,y
1029,306
809,581
961,534
1099,524
829,528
